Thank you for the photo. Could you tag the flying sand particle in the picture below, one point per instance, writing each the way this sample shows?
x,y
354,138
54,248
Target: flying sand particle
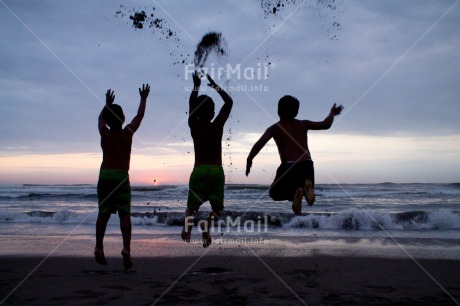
x,y
211,42
141,19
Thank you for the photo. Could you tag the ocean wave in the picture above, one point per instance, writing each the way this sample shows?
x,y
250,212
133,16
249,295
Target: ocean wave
x,y
153,188
57,185
29,192
246,187
352,219
48,217
45,195
360,219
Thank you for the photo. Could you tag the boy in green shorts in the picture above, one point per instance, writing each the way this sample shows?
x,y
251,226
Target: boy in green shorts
x,y
113,188
207,179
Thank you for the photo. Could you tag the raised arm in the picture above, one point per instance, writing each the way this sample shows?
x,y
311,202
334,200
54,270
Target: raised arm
x,y
224,112
327,122
193,96
257,147
136,122
109,98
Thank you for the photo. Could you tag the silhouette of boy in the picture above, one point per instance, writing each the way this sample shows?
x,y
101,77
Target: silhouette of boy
x,y
113,187
207,179
295,176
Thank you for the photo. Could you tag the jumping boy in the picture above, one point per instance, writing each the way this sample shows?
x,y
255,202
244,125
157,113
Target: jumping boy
x,y
113,187
295,176
207,179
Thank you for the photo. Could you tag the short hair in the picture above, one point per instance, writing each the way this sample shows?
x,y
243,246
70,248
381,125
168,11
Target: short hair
x,y
288,107
204,108
113,115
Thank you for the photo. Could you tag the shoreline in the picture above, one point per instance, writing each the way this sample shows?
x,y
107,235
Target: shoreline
x,y
228,280
79,242
61,270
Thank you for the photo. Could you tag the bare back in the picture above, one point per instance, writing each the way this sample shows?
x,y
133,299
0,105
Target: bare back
x,y
291,139
207,137
116,149
207,142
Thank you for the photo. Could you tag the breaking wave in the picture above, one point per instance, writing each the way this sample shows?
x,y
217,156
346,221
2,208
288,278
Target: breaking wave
x,y
348,220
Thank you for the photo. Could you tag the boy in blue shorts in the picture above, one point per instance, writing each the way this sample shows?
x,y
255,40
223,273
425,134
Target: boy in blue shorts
x,y
207,179
113,187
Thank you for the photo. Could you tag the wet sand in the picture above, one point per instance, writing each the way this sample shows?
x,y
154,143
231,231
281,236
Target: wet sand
x,y
224,274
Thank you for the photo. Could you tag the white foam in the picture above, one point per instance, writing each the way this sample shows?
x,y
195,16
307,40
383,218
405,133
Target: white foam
x,y
360,219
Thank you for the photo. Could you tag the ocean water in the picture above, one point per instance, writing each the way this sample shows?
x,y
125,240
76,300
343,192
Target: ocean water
x,y
412,212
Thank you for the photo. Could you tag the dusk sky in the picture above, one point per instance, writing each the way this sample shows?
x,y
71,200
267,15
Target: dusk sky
x,y
393,65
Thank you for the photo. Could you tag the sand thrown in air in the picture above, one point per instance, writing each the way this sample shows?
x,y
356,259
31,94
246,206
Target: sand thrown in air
x,y
328,10
275,13
212,42
143,18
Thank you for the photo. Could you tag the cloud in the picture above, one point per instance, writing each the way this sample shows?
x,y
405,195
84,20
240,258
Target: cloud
x,y
52,87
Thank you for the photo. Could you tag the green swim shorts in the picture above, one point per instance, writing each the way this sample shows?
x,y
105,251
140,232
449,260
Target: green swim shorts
x,y
114,191
206,184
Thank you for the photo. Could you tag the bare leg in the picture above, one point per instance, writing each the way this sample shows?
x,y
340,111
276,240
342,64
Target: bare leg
x,y
188,224
125,227
101,225
212,218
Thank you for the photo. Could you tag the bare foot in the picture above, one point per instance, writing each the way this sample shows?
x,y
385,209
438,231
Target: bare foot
x,y
185,235
100,257
187,229
206,236
127,263
309,192
297,201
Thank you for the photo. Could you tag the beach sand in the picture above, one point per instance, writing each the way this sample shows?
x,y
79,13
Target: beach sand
x,y
169,272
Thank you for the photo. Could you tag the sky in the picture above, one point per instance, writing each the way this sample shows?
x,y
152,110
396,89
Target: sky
x,y
393,65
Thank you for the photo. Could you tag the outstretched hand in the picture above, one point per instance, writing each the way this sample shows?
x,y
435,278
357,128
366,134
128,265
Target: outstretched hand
x,y
196,79
109,97
211,83
248,166
144,92
336,110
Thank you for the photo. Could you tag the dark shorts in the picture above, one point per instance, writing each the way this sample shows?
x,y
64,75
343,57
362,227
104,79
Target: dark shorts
x,y
114,191
289,177
206,184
